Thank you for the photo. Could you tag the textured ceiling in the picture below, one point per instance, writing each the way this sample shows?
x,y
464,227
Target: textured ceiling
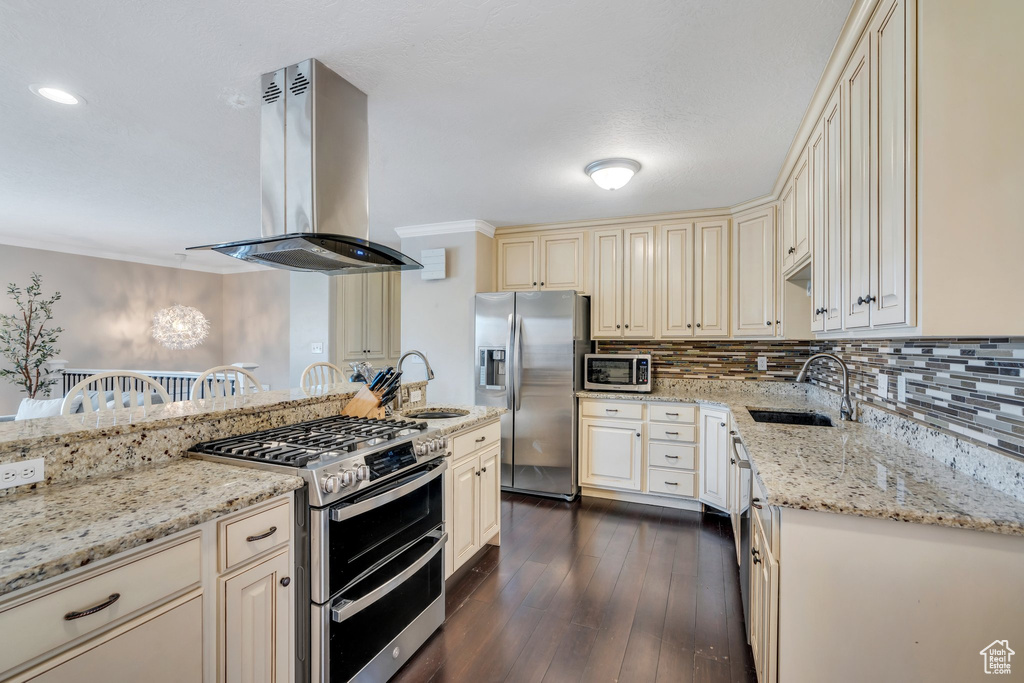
x,y
478,109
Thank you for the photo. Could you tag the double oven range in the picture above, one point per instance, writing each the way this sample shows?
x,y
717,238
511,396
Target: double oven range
x,y
369,538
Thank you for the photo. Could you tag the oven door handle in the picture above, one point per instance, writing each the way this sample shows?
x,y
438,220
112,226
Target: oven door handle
x,y
348,608
743,461
340,514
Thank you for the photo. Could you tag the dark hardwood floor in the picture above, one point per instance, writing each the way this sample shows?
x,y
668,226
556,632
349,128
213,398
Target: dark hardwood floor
x,y
594,591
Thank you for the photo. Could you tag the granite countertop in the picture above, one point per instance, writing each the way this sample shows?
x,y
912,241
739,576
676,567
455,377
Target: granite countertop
x,y
477,415
58,528
849,468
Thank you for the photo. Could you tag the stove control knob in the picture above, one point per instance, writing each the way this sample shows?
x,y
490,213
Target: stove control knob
x,y
420,448
332,483
444,442
348,477
363,473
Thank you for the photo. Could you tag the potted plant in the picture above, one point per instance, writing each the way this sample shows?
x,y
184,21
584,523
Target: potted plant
x,y
26,343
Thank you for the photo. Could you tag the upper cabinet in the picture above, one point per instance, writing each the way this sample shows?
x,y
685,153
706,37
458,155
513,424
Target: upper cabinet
x,y
754,281
623,297
693,279
711,278
542,262
675,280
795,209
367,317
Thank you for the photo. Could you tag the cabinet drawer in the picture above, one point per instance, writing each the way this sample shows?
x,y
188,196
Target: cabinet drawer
x,y
472,441
669,412
663,432
31,628
617,410
247,537
672,482
675,456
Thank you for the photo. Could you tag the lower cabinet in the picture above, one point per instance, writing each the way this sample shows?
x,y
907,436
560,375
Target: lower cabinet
x,y
764,606
473,500
714,466
611,453
258,622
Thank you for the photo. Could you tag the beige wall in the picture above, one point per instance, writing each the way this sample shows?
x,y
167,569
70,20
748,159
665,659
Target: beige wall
x,y
107,310
971,166
256,324
438,316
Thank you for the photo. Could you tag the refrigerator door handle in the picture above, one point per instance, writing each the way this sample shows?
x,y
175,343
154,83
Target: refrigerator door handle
x,y
519,362
510,362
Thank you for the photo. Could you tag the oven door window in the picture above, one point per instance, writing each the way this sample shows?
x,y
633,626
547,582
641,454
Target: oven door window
x,y
610,371
359,542
358,638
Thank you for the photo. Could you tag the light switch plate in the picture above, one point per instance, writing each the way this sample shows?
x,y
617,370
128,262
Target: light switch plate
x,y
883,386
762,363
318,347
901,389
21,473
415,395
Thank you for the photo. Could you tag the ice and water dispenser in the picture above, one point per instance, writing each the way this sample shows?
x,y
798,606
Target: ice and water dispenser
x,y
492,367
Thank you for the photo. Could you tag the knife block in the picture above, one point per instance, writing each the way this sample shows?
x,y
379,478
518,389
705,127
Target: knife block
x,y
364,404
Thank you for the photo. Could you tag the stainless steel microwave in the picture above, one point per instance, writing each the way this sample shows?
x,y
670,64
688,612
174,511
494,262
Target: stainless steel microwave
x,y
617,372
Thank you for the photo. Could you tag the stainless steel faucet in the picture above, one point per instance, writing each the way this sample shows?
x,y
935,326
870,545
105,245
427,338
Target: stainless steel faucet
x,y
400,400
847,408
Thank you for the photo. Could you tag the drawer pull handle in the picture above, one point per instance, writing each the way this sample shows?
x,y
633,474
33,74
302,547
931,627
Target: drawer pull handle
x,y
267,534
675,414
482,438
114,597
672,433
755,502
611,410
672,483
674,457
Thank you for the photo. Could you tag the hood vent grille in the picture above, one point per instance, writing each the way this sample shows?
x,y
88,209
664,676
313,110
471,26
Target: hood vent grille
x,y
300,84
272,93
298,259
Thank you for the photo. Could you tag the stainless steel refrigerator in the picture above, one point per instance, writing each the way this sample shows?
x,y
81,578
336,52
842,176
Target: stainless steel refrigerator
x,y
529,359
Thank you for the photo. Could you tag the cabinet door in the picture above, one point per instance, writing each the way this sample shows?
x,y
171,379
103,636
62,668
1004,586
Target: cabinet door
x,y
352,302
395,315
856,87
714,466
375,319
465,503
894,249
764,607
258,623
610,453
755,629
517,264
561,261
162,646
801,211
816,154
638,298
675,280
833,213
753,274
490,494
711,277
787,224
606,302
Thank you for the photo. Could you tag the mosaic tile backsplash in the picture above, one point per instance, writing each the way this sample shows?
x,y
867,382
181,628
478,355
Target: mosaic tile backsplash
x,y
971,388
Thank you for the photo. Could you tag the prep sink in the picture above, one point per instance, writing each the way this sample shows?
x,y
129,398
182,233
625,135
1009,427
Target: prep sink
x,y
789,418
437,414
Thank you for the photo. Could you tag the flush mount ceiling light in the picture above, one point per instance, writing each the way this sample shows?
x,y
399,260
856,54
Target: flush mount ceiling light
x,y
56,94
611,174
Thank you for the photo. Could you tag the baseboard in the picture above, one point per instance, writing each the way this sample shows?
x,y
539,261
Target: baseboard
x,y
645,498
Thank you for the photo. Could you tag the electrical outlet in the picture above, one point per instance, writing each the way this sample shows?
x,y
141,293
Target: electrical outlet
x,y
901,389
318,347
762,363
21,473
415,395
883,386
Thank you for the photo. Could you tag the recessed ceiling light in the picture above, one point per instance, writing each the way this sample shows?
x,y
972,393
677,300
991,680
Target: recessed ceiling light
x,y
611,174
56,94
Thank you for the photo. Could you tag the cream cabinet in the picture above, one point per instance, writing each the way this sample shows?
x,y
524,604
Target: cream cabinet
x,y
795,210
473,496
675,280
711,278
764,604
816,158
611,453
714,457
368,317
755,283
623,300
394,315
554,261
833,214
258,622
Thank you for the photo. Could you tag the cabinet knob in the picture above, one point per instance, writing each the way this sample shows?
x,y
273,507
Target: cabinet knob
x,y
477,473
534,284
627,326
698,324
792,250
778,322
860,300
285,581
688,325
483,469
723,424
732,460
618,326
768,323
638,433
870,298
542,284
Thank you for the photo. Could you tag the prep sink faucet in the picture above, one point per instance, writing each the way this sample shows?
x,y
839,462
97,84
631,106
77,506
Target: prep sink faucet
x,y
399,401
847,408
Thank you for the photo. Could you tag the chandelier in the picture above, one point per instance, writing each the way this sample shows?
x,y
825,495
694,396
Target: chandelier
x,y
180,327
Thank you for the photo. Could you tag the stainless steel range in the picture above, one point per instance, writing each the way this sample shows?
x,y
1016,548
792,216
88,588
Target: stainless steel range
x,y
369,538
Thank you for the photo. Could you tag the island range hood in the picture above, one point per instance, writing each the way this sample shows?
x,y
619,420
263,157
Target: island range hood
x,y
314,156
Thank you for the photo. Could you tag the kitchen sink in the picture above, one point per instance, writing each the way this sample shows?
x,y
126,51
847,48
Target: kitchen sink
x,y
790,418
436,414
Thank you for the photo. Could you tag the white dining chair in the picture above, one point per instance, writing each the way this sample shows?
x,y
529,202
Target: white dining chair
x,y
128,390
318,377
223,381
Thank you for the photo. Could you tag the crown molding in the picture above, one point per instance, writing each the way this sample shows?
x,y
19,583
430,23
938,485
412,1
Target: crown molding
x,y
451,227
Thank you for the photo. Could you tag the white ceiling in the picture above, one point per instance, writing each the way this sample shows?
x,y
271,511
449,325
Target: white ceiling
x,y
483,109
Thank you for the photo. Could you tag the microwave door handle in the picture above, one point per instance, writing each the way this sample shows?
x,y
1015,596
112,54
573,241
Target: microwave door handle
x,y
348,608
510,362
340,514
519,363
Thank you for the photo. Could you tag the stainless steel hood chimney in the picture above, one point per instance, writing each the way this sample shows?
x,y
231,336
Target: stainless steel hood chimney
x,y
314,156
